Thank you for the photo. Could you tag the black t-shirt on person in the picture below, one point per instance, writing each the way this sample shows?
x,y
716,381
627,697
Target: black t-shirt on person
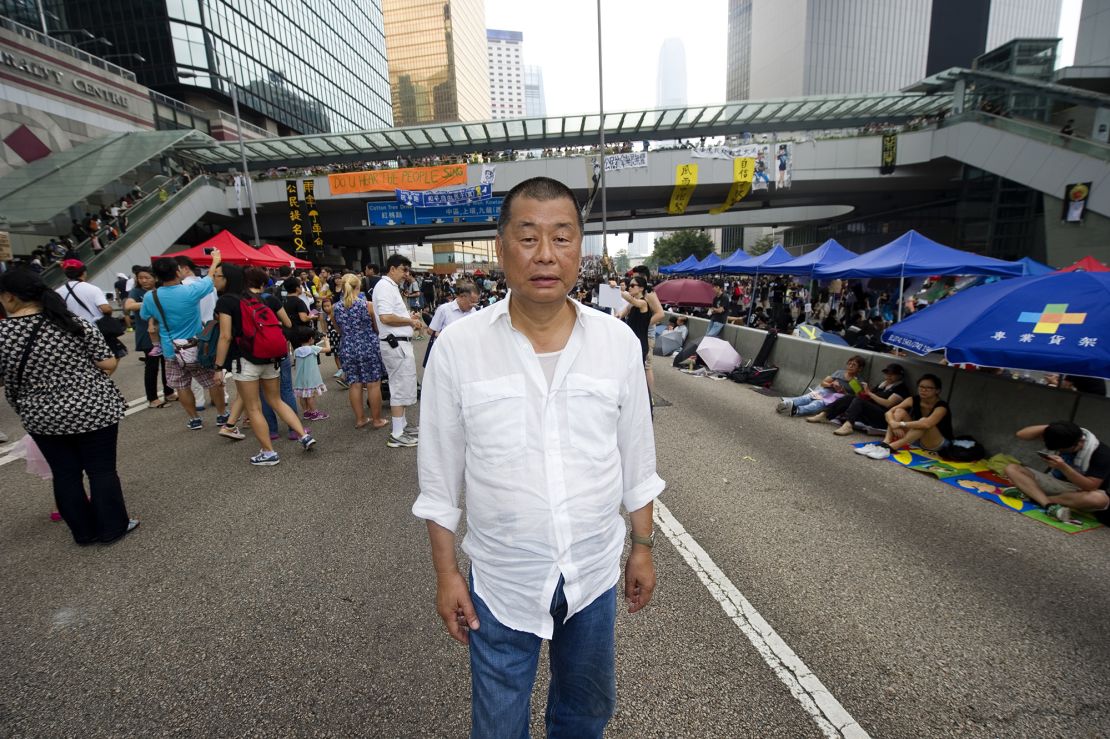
x,y
294,307
719,302
944,426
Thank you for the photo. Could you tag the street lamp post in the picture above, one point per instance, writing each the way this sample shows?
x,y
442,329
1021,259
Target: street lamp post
x,y
242,150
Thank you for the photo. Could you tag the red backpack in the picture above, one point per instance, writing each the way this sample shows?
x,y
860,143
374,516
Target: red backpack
x,y
262,339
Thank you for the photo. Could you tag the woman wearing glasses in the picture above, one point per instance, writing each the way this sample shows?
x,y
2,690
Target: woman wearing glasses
x,y
923,418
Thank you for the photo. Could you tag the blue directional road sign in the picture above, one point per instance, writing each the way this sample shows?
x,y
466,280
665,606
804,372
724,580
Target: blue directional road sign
x,y
393,213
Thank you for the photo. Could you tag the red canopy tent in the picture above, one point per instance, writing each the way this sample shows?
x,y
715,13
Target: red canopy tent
x,y
284,257
1087,264
232,250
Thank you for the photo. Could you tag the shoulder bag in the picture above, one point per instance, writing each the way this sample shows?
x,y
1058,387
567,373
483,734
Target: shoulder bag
x,y
109,325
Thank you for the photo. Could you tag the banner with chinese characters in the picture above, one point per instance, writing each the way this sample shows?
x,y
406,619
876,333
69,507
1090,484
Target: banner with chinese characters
x,y
889,155
315,230
458,196
743,169
296,223
782,164
1075,201
685,180
388,180
628,160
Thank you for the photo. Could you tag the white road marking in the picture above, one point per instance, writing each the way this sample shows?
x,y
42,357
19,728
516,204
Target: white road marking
x,y
133,407
825,710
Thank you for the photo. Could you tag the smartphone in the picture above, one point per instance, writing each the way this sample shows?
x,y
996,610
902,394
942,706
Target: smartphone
x,y
1043,454
209,249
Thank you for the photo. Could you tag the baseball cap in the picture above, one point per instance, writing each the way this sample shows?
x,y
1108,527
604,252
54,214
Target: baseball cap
x,y
72,264
895,368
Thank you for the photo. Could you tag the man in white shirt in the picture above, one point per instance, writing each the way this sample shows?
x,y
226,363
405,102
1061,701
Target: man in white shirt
x,y
86,300
547,425
466,297
395,328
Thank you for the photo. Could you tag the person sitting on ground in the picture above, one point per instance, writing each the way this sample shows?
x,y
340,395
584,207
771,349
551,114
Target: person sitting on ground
x,y
923,418
837,385
676,327
1078,465
869,405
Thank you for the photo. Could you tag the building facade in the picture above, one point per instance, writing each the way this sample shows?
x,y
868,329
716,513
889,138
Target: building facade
x,y
670,80
504,50
438,71
297,68
535,102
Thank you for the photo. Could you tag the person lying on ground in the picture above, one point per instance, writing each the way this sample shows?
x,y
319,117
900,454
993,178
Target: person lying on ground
x,y
1077,468
869,406
923,418
837,385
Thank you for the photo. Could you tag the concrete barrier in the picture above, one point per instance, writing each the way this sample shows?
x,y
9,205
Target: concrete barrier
x,y
1093,413
914,367
796,359
748,342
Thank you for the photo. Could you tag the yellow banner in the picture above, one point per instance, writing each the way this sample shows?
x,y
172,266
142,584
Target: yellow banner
x,y
685,180
743,169
388,180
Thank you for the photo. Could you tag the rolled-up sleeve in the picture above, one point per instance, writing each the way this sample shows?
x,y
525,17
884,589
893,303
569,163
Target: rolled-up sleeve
x,y
440,454
636,437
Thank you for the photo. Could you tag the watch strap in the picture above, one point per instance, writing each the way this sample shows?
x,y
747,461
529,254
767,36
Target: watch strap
x,y
647,541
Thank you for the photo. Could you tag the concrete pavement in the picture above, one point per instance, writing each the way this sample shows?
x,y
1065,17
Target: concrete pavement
x,y
298,600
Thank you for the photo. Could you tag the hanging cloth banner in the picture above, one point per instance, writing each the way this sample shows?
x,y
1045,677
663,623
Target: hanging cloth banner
x,y
458,196
315,230
296,224
685,180
890,153
743,169
386,180
627,160
239,194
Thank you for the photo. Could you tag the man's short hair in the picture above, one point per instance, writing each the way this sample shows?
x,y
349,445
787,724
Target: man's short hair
x,y
186,262
466,286
292,285
372,267
537,188
1061,435
397,260
285,271
165,269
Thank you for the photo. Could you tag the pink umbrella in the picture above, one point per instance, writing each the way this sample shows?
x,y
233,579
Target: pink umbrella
x,y
685,292
718,354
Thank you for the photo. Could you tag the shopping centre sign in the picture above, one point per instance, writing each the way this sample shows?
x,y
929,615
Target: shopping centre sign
x,y
31,67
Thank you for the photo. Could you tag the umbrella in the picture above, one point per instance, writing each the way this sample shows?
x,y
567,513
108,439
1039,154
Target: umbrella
x,y
1054,323
718,354
1087,264
809,331
685,292
668,343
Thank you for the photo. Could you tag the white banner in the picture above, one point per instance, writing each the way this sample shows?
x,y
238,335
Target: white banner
x,y
629,160
773,162
489,173
239,193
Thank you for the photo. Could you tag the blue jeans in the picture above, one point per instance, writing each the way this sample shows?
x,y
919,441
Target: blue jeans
x,y
805,405
583,692
714,328
286,396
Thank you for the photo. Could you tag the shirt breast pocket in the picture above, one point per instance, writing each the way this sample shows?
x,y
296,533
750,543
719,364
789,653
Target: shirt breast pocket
x,y
592,412
493,411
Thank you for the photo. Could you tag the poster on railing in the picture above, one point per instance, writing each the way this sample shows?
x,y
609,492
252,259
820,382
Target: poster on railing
x,y
743,169
316,231
627,160
387,180
296,223
773,162
457,196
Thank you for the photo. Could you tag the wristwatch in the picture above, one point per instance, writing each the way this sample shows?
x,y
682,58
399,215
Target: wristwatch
x,y
647,541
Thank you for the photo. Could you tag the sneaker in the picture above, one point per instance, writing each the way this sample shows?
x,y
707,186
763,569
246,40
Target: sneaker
x,y
342,382
222,418
274,436
294,436
413,431
308,415
879,452
232,432
1059,512
338,374
819,417
195,424
864,449
398,441
784,406
265,459
307,441
320,416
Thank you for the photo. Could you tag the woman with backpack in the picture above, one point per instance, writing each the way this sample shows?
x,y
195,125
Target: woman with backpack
x,y
55,368
252,346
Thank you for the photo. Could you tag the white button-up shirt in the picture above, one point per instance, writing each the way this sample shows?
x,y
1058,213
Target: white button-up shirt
x,y
447,314
388,301
545,468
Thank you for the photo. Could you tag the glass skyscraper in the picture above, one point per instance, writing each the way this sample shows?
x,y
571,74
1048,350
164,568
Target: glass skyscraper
x,y
299,67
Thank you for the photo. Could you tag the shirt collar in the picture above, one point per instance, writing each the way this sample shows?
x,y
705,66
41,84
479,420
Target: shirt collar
x,y
500,309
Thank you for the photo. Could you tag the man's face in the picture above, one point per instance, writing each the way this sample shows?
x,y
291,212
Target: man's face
x,y
399,274
467,300
540,249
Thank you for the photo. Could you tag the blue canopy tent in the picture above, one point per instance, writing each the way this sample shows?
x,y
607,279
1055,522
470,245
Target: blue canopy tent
x,y
914,255
679,267
764,263
1033,268
829,253
718,265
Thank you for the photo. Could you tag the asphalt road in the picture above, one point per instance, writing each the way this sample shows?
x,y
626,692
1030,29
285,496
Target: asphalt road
x,y
298,600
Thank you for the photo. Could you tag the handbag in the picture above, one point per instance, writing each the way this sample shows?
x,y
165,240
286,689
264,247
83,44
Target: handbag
x,y
110,326
185,351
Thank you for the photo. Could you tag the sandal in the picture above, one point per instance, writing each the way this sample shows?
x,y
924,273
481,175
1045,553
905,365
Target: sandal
x,y
156,404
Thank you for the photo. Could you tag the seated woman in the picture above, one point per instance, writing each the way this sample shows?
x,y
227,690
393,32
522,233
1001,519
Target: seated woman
x,y
923,418
843,382
870,405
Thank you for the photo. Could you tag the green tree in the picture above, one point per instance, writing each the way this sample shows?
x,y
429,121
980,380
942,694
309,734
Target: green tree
x,y
677,245
762,245
620,262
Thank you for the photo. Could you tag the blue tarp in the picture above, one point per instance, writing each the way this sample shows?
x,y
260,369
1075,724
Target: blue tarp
x,y
680,267
1033,268
914,255
765,263
1059,322
829,253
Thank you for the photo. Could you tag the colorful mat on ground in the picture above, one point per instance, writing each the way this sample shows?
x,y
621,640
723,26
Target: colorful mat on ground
x,y
977,479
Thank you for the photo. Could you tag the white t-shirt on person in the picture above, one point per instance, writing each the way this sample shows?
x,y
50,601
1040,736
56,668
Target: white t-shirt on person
x,y
83,292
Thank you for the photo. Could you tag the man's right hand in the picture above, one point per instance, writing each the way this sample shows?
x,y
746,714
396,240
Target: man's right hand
x,y
216,258
455,607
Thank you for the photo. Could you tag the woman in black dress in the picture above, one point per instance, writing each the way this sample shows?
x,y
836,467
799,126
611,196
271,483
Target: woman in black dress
x,y
637,314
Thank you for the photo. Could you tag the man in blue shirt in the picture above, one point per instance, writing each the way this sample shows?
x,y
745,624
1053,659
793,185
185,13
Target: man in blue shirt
x,y
175,308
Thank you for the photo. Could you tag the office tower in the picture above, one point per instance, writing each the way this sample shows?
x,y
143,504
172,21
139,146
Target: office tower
x,y
438,70
506,73
670,84
535,103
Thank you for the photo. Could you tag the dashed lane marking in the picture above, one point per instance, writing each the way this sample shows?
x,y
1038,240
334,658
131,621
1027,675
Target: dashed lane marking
x,y
6,456
825,710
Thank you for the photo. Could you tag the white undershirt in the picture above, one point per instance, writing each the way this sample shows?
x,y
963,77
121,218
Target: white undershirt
x,y
548,362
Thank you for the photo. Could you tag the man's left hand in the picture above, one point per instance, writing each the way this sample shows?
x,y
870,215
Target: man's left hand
x,y
1056,462
639,578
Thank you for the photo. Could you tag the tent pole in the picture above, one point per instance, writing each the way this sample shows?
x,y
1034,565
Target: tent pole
x,y
901,294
